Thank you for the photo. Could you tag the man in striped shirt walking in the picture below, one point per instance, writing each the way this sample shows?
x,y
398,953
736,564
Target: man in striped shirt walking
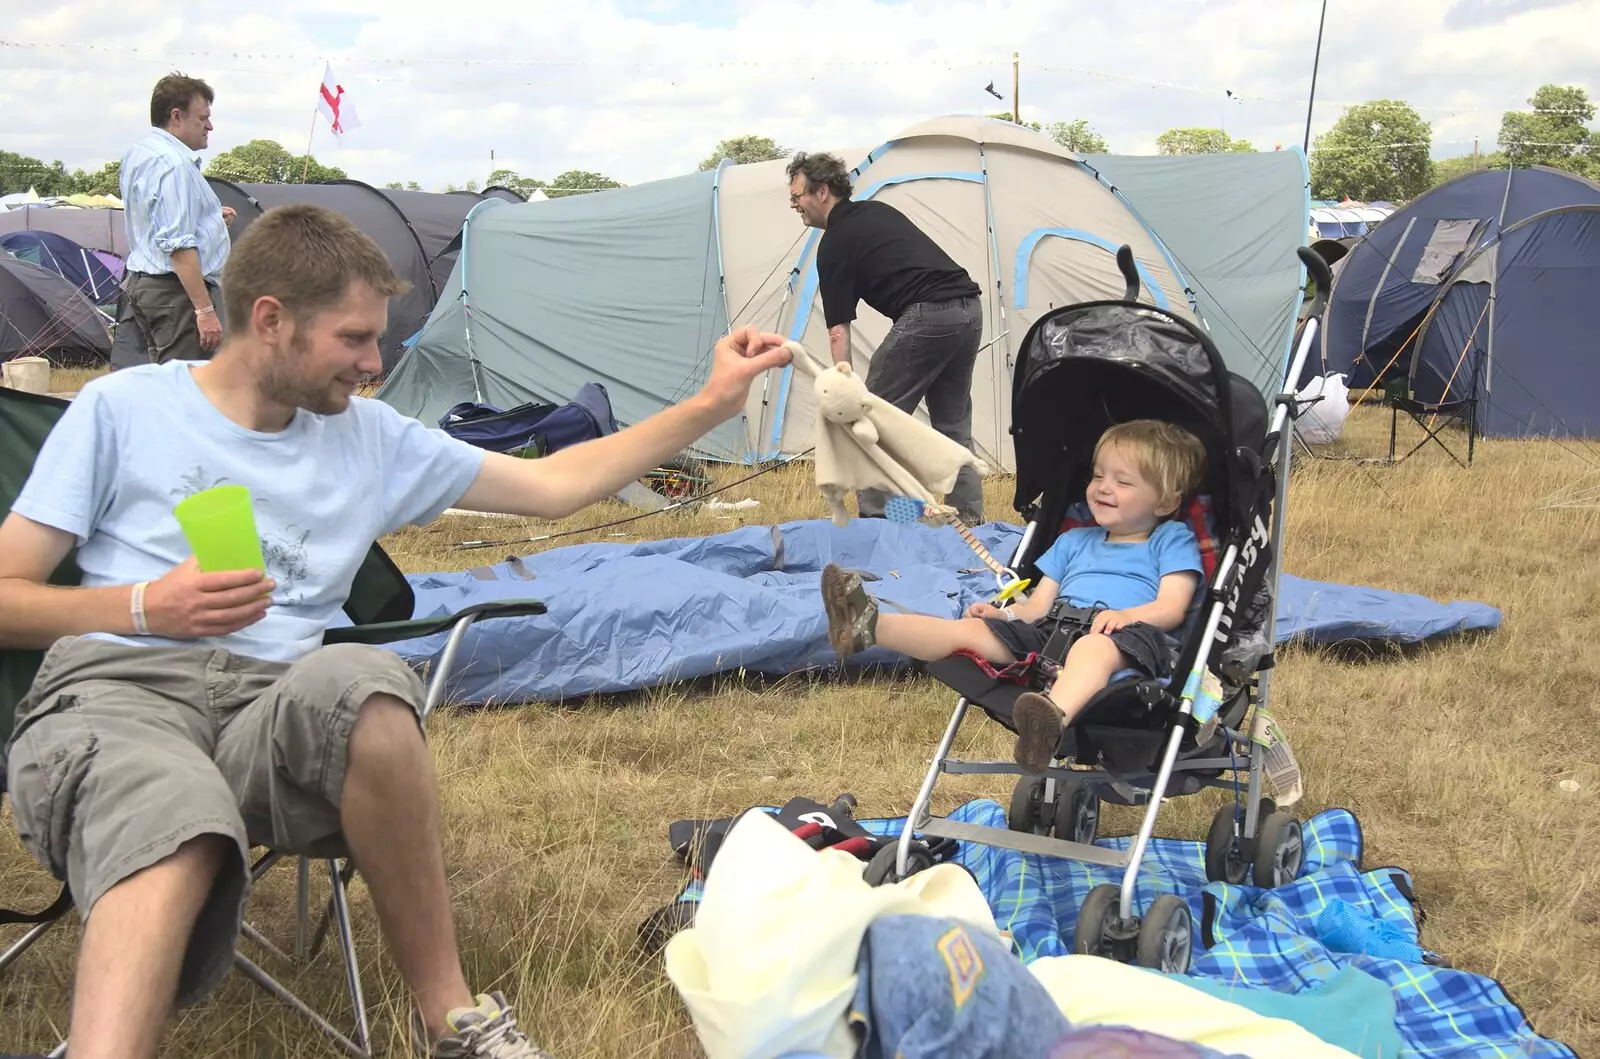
x,y
177,228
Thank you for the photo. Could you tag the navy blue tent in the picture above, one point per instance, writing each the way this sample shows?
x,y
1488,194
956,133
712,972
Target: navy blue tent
x,y
73,263
1484,287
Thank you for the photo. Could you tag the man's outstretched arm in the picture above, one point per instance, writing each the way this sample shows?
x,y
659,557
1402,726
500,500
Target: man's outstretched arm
x,y
573,478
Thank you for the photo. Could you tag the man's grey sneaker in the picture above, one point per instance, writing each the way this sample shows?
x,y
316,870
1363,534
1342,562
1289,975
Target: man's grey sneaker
x,y
1038,725
852,614
487,1031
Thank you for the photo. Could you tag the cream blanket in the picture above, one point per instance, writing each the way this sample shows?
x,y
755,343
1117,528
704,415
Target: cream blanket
x,y
769,966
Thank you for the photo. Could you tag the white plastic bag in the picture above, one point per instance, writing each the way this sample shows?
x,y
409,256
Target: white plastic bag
x,y
1324,421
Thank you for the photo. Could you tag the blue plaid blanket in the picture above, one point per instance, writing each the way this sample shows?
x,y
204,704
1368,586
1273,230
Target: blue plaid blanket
x,y
1255,937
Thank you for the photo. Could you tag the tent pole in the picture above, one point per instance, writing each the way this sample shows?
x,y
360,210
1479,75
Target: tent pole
x,y
466,299
1316,59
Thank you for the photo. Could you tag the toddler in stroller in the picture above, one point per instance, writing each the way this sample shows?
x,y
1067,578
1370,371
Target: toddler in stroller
x,y
1193,712
1116,590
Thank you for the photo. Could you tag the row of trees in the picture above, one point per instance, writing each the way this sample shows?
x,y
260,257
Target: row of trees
x,y
1380,151
1376,151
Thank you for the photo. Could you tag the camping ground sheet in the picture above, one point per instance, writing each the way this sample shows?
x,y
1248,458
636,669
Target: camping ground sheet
x,y
625,616
1255,937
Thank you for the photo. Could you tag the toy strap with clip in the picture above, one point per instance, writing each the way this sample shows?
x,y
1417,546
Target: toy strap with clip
x,y
906,510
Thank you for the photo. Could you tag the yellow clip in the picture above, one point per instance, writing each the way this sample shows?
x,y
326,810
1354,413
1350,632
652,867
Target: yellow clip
x,y
1012,590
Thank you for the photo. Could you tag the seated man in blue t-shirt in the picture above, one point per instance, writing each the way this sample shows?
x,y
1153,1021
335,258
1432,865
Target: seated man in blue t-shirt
x,y
1136,567
181,717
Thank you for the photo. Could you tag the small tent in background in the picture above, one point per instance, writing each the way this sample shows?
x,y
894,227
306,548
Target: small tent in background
x,y
631,287
83,268
412,228
42,314
1483,288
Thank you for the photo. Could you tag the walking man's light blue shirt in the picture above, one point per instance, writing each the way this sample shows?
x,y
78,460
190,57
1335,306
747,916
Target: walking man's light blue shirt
x,y
168,206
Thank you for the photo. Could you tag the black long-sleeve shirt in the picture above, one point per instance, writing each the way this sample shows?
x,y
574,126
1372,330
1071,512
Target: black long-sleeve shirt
x,y
872,252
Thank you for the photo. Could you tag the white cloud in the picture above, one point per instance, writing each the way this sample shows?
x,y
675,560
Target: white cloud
x,y
633,89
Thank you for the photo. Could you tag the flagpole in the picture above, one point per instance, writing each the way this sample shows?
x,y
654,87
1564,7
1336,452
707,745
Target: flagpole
x,y
307,166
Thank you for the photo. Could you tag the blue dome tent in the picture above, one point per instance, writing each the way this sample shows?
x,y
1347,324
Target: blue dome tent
x,y
1480,290
74,263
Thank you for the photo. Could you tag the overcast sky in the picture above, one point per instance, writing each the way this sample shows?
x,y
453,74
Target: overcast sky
x,y
642,89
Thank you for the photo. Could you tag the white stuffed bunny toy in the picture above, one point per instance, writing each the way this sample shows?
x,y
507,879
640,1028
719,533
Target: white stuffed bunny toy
x,y
864,442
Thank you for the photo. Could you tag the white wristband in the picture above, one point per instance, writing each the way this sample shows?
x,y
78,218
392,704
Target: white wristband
x,y
140,625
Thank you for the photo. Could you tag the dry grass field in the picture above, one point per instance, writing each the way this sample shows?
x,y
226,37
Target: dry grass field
x,y
1452,756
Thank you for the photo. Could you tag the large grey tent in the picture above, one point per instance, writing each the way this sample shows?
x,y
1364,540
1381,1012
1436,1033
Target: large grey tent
x,y
631,287
42,314
1481,290
98,228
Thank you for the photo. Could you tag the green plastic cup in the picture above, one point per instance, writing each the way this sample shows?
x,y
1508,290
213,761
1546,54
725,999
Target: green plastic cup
x,y
220,524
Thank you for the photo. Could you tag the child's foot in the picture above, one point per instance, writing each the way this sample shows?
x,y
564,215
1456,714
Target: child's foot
x,y
852,615
1038,724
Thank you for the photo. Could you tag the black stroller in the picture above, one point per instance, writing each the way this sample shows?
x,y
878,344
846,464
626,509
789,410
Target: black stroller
x,y
1081,369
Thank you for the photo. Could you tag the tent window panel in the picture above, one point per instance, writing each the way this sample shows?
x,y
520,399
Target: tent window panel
x,y
1449,239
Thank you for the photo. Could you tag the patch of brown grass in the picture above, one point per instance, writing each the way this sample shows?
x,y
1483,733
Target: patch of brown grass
x,y
1451,756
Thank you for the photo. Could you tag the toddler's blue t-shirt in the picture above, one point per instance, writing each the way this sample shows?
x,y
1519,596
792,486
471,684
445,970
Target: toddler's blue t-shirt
x,y
139,440
1095,572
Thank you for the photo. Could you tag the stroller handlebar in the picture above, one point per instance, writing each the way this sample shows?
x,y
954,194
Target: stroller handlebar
x,y
1319,273
1130,272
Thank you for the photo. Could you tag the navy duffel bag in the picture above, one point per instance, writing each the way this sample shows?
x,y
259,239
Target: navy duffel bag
x,y
536,428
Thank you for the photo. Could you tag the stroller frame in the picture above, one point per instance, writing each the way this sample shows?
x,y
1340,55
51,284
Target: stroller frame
x,y
1151,790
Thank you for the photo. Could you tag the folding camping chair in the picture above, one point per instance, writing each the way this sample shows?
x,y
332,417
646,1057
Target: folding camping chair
x,y
1398,397
380,608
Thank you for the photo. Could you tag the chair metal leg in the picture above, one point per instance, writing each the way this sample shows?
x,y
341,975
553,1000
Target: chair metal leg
x,y
338,914
302,917
347,945
271,985
25,942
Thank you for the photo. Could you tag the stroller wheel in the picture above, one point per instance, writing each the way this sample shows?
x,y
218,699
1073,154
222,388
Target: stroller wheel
x,y
1280,850
1077,815
1166,936
1226,857
1092,934
882,868
1027,804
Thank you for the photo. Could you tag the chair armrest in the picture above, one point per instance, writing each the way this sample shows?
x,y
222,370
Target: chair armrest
x,y
394,631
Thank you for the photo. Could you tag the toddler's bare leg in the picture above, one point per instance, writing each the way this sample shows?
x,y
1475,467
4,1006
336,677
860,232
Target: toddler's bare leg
x,y
931,639
1039,720
1087,669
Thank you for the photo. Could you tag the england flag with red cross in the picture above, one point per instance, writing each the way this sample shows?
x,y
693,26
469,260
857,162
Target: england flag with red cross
x,y
335,105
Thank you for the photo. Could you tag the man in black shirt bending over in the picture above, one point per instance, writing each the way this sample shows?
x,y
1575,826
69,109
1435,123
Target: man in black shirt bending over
x,y
871,252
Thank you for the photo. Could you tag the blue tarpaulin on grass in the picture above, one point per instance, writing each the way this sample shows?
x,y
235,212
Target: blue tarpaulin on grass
x,y
625,616
1256,938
